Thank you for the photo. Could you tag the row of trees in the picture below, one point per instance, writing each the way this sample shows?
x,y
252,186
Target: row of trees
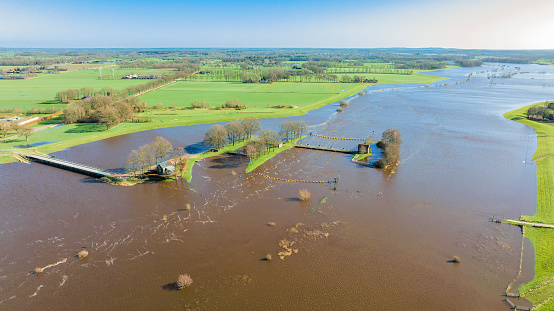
x,y
390,145
265,141
7,127
148,155
232,132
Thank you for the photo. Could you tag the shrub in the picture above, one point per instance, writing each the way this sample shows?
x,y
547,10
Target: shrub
x,y
304,195
183,281
38,270
267,257
381,144
339,109
456,259
360,93
271,224
380,163
187,207
345,104
82,254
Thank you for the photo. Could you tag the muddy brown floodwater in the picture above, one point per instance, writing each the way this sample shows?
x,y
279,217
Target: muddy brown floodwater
x,y
382,240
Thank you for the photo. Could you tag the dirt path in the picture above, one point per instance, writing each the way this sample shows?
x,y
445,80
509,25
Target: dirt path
x,y
534,224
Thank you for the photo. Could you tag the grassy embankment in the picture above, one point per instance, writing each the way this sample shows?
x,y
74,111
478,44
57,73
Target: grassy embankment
x,y
540,291
227,148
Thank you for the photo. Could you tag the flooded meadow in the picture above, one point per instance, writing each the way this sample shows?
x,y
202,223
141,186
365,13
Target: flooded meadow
x,y
381,239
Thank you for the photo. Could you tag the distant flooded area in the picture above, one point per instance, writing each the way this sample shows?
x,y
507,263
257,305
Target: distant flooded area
x,y
383,239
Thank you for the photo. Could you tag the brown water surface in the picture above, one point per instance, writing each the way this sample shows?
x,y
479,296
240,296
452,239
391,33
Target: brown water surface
x,y
382,240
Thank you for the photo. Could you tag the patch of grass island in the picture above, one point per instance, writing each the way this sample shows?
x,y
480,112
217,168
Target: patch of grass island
x,y
541,290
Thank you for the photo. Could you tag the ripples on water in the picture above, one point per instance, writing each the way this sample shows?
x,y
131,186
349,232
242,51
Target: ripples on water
x,y
461,162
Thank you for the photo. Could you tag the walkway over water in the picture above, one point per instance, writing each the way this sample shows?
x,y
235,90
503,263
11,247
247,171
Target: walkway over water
x,y
337,138
69,166
327,149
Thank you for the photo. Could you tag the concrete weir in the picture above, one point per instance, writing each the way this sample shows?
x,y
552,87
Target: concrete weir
x,y
69,166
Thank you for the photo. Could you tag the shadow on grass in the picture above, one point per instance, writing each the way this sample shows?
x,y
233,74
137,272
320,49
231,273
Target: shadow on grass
x,y
87,128
170,287
54,120
49,102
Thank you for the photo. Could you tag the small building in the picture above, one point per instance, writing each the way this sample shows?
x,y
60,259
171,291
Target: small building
x,y
363,149
165,168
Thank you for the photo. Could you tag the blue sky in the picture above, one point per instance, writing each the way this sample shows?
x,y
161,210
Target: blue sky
x,y
487,24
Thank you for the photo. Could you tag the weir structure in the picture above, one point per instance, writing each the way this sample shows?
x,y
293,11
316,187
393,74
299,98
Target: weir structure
x,y
69,166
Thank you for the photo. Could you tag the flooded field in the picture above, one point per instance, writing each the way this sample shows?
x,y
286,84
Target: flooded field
x,y
383,239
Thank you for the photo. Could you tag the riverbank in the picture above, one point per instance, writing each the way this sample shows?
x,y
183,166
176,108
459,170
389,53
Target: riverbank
x,y
540,291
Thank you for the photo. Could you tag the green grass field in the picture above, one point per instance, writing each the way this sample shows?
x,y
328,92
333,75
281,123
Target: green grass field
x,y
541,290
258,95
40,91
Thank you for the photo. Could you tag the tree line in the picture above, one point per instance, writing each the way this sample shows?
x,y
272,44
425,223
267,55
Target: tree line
x,y
7,127
265,140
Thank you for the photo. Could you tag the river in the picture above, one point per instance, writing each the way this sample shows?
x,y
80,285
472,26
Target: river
x,y
383,239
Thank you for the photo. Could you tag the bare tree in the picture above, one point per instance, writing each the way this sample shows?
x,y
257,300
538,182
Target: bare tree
x,y
5,127
391,136
216,136
287,130
180,157
146,156
234,132
109,117
250,151
132,163
270,138
299,128
250,126
161,147
73,113
15,126
26,131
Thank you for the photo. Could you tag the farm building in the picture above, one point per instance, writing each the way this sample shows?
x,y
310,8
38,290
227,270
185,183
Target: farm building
x,y
165,168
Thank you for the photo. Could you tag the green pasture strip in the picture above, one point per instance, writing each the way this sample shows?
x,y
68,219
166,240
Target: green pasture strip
x,y
541,289
262,159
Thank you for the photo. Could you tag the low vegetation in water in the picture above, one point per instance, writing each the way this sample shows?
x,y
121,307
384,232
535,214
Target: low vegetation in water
x,y
184,280
390,145
82,254
304,195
